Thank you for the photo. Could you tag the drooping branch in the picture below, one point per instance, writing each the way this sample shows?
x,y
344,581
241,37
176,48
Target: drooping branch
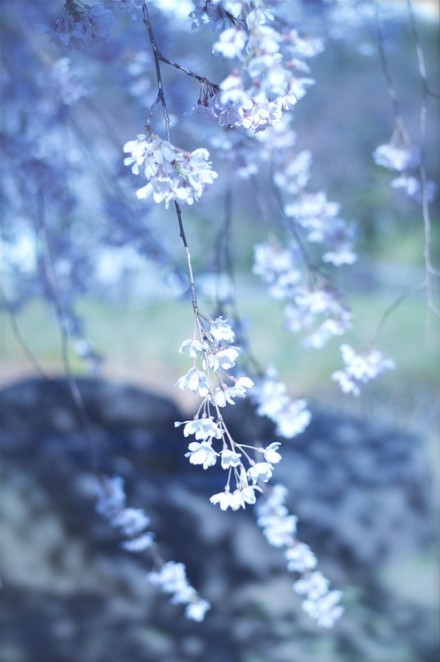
x,y
429,268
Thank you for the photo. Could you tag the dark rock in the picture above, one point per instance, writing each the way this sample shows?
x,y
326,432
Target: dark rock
x,y
362,494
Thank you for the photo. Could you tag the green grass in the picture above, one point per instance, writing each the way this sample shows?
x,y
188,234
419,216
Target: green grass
x,y
141,341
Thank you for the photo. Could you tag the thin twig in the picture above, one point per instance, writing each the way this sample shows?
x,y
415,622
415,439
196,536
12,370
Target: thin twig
x,y
434,95
20,338
386,71
161,99
429,269
201,79
161,58
188,258
50,278
157,58
291,225
392,307
223,261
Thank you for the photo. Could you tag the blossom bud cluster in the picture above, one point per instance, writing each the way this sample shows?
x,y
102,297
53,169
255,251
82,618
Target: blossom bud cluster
x,y
271,77
81,25
360,368
312,304
399,155
172,173
279,528
132,524
211,378
291,417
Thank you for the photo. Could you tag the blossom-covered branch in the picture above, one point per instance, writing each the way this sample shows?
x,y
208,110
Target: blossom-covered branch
x,y
133,524
279,528
212,379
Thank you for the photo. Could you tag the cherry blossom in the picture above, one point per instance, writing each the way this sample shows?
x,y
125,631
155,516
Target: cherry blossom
x,y
245,494
279,528
300,558
271,453
172,173
230,458
132,523
138,544
172,579
196,609
212,378
290,416
225,499
202,428
360,368
220,330
223,359
201,453
273,62
194,380
231,42
396,157
260,470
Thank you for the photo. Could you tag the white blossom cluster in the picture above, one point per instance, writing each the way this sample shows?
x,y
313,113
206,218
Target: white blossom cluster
x,y
312,213
279,528
272,75
132,524
400,156
173,580
291,417
360,369
172,173
210,378
312,304
318,217
319,307
279,268
241,156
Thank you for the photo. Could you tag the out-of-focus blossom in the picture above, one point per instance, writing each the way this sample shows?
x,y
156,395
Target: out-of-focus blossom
x,y
360,368
132,523
279,528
